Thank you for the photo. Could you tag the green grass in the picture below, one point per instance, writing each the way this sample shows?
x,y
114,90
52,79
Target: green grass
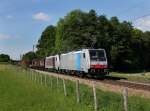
x,y
138,77
19,93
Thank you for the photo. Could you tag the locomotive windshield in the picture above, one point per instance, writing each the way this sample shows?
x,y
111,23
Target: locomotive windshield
x,y
97,55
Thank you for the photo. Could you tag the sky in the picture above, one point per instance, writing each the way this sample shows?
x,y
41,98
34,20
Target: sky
x,y
22,21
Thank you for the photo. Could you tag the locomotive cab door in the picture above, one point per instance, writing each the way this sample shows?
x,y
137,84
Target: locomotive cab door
x,y
84,62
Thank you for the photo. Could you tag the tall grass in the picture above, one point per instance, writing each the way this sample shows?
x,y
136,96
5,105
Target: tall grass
x,y
139,77
19,93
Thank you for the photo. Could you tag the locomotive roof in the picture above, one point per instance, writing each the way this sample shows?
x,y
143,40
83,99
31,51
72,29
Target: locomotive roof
x,y
79,51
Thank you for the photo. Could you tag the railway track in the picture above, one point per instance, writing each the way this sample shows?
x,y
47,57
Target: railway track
x,y
122,83
128,84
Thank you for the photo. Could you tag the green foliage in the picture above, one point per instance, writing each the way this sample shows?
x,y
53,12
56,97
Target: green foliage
x,y
46,43
78,30
29,56
4,58
59,36
142,77
127,47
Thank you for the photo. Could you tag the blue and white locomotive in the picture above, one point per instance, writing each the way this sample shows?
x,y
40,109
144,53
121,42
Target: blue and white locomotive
x,y
83,62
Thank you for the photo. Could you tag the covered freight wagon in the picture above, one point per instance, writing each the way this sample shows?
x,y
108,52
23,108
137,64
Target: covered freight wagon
x,y
52,62
38,63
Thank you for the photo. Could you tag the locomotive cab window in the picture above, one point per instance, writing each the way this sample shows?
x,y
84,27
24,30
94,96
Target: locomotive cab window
x,y
83,55
97,55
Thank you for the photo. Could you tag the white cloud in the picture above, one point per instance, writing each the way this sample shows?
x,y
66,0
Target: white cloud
x,y
143,23
41,16
4,37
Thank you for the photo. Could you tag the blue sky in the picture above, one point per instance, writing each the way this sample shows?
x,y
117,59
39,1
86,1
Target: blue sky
x,y
21,22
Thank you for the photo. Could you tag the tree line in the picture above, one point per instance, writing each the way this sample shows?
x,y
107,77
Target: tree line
x,y
4,58
128,48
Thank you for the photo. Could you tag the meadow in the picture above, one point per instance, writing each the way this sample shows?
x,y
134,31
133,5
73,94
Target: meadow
x,y
19,93
143,77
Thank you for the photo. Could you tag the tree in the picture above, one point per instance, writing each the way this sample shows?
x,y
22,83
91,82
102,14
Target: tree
x,y
76,31
4,58
59,36
46,43
146,50
137,50
122,57
29,56
73,33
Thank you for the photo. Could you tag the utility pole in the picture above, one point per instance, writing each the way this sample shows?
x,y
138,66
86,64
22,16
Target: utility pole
x,y
20,56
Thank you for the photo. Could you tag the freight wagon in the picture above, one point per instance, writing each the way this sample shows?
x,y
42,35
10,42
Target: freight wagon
x,y
38,64
52,63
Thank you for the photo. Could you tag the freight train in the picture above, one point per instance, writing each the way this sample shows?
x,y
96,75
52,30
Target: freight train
x,y
84,62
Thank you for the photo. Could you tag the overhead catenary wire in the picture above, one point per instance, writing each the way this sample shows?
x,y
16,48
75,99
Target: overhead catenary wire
x,y
140,17
130,9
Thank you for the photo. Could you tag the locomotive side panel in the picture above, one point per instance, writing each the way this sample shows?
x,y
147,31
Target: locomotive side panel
x,y
78,61
70,61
